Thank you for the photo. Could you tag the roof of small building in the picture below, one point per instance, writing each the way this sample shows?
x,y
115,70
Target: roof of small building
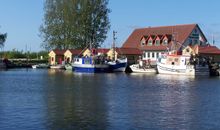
x,y
102,50
181,34
59,52
209,50
75,51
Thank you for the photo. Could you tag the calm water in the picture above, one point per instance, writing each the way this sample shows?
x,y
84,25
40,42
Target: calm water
x,y
48,100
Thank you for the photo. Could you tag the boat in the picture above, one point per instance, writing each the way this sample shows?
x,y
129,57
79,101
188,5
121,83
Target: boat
x,y
136,68
40,66
180,65
68,67
59,66
90,65
118,65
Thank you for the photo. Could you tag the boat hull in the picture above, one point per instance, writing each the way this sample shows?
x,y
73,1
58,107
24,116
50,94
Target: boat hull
x,y
90,68
118,67
137,69
188,70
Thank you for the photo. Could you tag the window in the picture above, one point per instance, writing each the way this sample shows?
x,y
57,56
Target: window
x,y
195,41
142,42
157,55
150,42
144,55
148,54
157,42
152,54
165,42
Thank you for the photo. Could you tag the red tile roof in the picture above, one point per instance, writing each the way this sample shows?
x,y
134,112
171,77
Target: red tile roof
x,y
59,52
208,50
181,32
128,51
102,50
76,51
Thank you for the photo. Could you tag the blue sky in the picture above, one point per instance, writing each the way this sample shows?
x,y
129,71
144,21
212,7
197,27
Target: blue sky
x,y
21,19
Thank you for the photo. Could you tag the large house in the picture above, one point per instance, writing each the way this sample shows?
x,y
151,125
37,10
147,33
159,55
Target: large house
x,y
153,41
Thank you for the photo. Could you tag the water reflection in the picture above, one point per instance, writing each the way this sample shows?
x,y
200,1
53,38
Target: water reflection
x,y
75,102
54,99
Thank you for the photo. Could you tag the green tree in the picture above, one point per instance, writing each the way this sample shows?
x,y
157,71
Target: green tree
x,y
74,23
2,39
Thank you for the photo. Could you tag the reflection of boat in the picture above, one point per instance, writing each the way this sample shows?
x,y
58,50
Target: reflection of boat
x,y
89,64
118,65
40,66
138,69
180,65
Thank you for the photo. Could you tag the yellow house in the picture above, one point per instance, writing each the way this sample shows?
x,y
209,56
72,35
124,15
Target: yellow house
x,y
70,54
111,53
56,57
87,52
97,51
132,54
189,51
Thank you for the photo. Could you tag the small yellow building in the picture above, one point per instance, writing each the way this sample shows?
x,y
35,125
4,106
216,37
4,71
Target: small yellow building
x,y
71,53
189,51
56,57
132,54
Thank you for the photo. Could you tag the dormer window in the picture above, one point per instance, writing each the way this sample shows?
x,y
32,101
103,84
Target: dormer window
x,y
150,42
157,42
165,42
143,42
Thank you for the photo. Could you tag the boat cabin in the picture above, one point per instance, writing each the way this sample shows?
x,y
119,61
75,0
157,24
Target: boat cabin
x,y
175,60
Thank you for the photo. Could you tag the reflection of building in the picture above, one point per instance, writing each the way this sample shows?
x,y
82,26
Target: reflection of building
x,y
155,40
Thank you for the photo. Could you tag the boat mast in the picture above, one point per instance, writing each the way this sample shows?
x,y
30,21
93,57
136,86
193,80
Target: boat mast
x,y
113,46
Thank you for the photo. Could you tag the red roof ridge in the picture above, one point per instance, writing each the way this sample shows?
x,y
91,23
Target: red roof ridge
x,y
193,24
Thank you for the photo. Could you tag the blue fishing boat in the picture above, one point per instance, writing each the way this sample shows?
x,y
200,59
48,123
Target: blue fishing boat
x,y
90,65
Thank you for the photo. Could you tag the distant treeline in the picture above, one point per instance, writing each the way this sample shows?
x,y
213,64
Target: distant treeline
x,y
14,54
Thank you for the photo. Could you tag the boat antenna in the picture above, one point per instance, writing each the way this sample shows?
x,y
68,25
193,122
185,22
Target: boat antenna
x,y
213,39
113,46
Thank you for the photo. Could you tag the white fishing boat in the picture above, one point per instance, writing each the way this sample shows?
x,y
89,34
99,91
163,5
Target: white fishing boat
x,y
136,68
180,65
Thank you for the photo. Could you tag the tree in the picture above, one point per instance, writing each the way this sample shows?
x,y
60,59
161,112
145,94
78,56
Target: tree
x,y
2,39
74,23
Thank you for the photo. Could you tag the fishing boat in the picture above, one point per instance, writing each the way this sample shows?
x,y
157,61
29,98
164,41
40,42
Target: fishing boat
x,y
180,65
117,64
90,65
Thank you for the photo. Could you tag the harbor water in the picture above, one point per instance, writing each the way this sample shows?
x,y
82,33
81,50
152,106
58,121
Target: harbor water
x,y
35,99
